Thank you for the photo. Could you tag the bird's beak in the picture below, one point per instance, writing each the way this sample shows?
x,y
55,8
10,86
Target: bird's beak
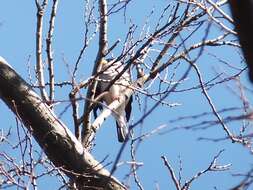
x,y
103,62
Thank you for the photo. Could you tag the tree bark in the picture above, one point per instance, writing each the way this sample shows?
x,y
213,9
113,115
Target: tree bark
x,y
242,11
57,141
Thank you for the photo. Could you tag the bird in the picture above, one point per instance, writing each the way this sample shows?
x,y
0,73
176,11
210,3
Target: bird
x,y
110,68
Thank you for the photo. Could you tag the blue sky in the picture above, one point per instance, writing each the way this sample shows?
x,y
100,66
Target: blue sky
x,y
17,39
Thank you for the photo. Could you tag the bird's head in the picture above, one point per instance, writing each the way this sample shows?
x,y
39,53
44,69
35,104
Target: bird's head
x,y
103,62
107,62
110,64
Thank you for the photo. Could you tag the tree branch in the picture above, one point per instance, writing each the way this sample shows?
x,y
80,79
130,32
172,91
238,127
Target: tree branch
x,y
39,64
103,41
59,144
49,50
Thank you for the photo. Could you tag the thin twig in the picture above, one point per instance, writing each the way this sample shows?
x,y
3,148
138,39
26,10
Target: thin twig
x,y
172,173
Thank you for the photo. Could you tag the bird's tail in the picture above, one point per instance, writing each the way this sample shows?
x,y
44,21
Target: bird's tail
x,y
122,131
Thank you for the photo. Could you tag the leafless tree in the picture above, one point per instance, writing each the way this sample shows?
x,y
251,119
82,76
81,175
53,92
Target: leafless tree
x,y
163,54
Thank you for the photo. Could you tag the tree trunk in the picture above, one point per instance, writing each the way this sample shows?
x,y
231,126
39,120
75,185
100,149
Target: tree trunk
x,y
242,11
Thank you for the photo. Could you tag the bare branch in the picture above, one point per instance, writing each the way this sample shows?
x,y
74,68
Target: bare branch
x,y
49,50
172,173
212,167
230,135
39,61
134,167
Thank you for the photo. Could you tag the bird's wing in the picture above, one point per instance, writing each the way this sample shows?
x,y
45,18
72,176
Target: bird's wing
x,y
97,106
110,71
128,108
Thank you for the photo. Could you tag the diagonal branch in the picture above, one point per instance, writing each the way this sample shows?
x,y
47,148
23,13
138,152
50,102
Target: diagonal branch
x,y
59,144
214,110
